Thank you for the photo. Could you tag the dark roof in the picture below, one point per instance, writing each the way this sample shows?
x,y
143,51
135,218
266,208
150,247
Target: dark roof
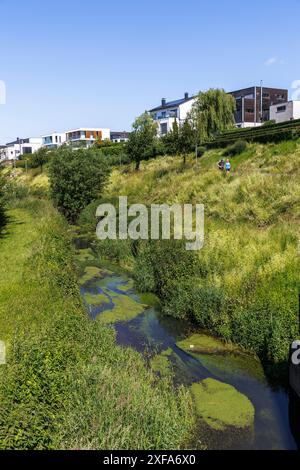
x,y
20,141
258,87
172,104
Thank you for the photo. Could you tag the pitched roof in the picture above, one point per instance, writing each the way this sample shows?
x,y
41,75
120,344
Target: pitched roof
x,y
172,104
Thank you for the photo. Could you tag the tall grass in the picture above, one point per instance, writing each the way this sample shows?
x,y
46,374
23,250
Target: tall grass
x,y
66,384
247,283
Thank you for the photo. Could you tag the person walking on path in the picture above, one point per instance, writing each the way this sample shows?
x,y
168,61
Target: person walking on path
x,y
227,166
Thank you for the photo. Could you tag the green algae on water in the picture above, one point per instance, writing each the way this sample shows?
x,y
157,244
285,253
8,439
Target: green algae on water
x,y
125,308
161,364
232,365
97,299
127,286
85,254
92,272
202,343
221,406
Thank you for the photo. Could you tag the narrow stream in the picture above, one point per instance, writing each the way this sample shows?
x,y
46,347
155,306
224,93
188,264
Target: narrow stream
x,y
111,299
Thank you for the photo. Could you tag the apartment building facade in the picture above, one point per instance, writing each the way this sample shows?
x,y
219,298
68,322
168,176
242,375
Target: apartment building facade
x,y
54,140
86,136
253,104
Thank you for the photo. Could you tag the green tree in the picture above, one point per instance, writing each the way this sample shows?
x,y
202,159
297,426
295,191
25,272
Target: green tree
x,y
212,113
141,143
170,140
39,158
76,179
185,140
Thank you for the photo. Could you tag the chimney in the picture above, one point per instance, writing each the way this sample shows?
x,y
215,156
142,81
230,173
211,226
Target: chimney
x,y
186,96
163,102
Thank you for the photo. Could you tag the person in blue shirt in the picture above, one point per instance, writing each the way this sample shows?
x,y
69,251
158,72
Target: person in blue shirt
x,y
227,166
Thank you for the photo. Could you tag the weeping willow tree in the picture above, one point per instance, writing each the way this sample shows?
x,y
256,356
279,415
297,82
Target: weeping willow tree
x,y
212,113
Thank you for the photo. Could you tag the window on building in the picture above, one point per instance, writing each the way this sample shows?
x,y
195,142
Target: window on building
x,y
266,95
164,128
281,109
250,110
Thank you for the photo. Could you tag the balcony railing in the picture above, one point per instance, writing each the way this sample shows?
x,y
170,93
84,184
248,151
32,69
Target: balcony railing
x,y
165,116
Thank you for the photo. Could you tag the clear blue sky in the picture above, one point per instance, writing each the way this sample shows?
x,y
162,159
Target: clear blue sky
x,y
73,63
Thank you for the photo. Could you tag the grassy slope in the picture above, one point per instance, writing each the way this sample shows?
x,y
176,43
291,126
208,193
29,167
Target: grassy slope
x,y
66,383
251,236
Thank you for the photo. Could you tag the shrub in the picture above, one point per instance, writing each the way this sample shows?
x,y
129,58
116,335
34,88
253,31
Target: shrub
x,y
201,151
236,149
76,179
271,122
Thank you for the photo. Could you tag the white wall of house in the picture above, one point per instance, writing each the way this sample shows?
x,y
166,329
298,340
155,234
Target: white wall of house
x,y
185,108
165,125
15,150
56,139
285,111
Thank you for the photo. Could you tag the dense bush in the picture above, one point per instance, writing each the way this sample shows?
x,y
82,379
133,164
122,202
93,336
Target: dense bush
x,y
76,179
236,149
271,122
201,151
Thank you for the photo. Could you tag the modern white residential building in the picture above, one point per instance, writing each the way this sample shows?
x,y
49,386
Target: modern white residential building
x,y
170,111
285,111
86,136
54,140
13,150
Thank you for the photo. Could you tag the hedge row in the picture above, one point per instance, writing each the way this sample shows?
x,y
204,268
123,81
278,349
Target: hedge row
x,y
262,134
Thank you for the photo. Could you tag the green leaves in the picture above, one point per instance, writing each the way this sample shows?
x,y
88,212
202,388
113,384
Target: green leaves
x,y
142,141
212,112
76,178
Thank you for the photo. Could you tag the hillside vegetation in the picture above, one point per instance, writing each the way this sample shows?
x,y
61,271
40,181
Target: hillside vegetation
x,y
243,285
66,384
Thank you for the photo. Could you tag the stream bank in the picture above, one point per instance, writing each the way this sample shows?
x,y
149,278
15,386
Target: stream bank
x,y
111,298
